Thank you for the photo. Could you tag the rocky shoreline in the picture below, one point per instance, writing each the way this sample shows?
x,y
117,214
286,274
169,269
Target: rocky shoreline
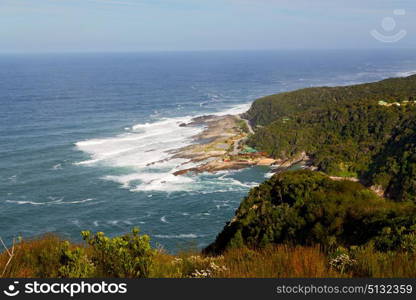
x,y
220,146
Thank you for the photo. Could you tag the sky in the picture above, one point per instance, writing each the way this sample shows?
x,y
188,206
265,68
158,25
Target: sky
x,y
177,25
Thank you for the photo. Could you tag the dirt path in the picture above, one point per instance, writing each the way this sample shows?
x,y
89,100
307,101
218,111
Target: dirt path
x,y
243,139
250,129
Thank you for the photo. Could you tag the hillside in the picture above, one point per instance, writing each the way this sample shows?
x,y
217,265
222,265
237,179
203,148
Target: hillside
x,y
270,108
130,256
308,208
365,131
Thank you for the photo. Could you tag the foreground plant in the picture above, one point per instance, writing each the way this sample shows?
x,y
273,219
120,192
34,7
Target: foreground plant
x,y
126,256
75,263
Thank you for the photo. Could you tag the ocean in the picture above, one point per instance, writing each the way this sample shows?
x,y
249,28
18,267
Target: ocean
x,y
86,140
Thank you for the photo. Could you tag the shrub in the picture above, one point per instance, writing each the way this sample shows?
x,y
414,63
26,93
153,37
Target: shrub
x,y
306,208
397,238
126,256
391,264
75,263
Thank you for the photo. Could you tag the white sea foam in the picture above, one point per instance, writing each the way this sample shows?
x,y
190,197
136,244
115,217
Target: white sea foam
x,y
20,202
53,202
406,74
177,236
78,201
13,178
269,175
155,181
146,152
76,223
235,110
57,167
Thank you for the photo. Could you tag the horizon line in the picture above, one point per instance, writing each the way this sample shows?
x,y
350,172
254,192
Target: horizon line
x,y
199,50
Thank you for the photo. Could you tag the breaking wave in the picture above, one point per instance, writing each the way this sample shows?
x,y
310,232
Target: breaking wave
x,y
53,202
178,236
145,153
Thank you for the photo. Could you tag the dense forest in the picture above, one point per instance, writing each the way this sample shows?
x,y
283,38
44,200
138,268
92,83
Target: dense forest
x,y
308,208
366,131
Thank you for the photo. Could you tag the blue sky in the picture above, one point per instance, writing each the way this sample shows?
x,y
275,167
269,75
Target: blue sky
x,y
147,25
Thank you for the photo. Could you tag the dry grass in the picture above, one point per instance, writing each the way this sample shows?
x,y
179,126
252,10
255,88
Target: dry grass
x,y
36,258
33,258
385,265
277,262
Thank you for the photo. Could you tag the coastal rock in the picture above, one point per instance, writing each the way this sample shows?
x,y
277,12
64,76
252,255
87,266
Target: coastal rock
x,y
266,162
378,189
220,146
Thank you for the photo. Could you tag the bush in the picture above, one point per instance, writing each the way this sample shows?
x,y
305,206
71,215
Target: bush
x,y
307,208
397,238
38,257
127,256
75,263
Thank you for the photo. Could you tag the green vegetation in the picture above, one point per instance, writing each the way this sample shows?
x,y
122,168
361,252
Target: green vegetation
x,y
127,256
346,131
394,167
242,125
268,109
44,257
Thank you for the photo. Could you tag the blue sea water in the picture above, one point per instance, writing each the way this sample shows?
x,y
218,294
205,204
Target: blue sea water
x,y
79,134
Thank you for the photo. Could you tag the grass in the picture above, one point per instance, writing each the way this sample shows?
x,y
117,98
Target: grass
x,y
277,262
37,258
41,258
242,125
389,264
